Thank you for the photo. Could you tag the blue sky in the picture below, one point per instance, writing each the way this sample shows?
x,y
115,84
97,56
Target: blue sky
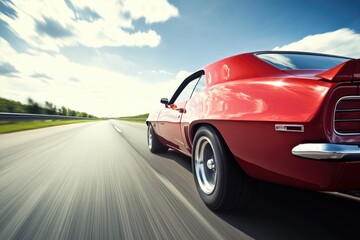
x,y
113,58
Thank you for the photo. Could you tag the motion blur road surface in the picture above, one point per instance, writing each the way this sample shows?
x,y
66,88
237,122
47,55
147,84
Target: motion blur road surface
x,y
98,180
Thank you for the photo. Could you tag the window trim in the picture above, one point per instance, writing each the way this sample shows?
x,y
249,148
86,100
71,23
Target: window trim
x,y
187,80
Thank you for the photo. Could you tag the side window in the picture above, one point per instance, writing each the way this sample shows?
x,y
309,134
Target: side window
x,y
187,91
201,84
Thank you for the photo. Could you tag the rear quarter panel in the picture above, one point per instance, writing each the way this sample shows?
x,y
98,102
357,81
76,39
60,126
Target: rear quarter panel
x,y
261,99
245,113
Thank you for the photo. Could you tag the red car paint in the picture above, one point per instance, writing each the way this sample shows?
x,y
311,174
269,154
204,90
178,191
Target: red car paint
x,y
245,97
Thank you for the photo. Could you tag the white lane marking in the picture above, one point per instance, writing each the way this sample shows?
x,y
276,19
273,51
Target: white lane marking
x,y
187,204
117,129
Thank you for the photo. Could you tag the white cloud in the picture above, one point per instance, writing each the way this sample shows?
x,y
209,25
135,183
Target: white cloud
x,y
99,89
6,50
164,72
343,42
182,74
50,25
153,11
91,89
161,71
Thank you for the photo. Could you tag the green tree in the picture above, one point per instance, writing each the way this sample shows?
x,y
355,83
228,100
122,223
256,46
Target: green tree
x,y
33,107
50,108
11,106
63,111
71,112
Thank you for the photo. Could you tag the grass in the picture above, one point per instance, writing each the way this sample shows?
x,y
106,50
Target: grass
x,y
145,115
134,118
6,127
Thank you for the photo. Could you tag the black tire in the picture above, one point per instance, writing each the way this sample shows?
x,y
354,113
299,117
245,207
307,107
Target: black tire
x,y
220,181
154,144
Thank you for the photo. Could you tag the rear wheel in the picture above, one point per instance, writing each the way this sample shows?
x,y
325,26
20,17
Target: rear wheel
x,y
219,180
154,144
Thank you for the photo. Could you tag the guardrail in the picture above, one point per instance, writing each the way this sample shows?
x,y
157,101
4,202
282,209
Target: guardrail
x,y
4,116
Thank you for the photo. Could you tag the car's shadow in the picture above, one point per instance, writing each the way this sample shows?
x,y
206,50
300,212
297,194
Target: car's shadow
x,y
179,158
279,212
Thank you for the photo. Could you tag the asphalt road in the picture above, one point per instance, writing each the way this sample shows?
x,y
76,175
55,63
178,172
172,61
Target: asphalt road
x,y
99,181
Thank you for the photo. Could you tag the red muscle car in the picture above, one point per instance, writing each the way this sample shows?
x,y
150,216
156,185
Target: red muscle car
x,y
290,118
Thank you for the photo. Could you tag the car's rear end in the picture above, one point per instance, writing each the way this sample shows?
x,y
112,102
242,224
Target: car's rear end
x,y
341,124
294,120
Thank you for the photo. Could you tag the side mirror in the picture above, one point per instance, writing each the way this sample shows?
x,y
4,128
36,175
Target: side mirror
x,y
164,101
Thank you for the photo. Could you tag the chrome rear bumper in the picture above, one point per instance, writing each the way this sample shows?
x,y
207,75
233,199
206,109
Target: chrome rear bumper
x,y
327,151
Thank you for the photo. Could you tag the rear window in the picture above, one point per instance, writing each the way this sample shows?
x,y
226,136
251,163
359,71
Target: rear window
x,y
298,61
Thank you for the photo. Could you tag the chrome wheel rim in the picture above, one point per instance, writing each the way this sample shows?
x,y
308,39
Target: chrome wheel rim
x,y
150,137
205,165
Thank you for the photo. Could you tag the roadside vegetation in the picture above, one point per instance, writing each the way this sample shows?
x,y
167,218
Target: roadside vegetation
x,y
8,127
137,118
32,107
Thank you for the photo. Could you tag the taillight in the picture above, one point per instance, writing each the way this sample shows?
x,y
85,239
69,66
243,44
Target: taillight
x,y
347,116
